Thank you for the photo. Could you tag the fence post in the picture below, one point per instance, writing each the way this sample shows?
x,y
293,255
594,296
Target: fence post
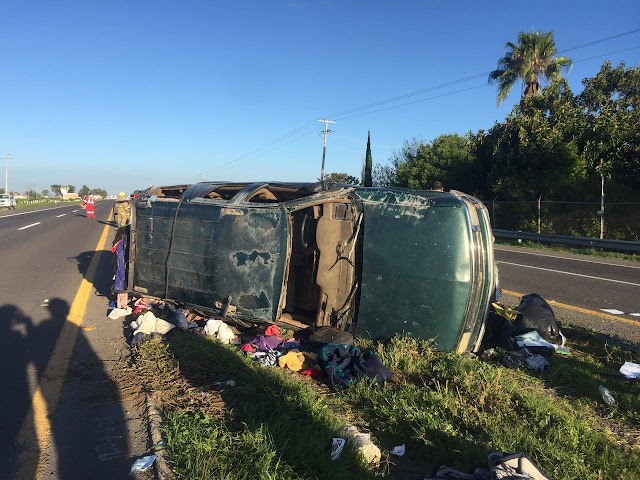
x,y
493,209
601,212
539,198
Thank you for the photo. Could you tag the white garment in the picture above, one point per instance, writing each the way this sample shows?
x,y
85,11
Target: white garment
x,y
148,324
220,330
630,370
117,313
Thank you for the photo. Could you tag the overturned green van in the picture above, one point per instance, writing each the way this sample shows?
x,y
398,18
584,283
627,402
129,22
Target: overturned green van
x,y
372,261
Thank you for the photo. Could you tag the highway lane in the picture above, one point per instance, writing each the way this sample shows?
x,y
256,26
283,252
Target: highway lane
x,y
15,219
42,268
584,281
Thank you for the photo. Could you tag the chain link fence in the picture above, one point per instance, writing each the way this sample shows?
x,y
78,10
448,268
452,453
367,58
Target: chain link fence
x,y
618,221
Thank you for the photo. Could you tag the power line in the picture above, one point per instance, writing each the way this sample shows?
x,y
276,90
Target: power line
x,y
606,39
344,114
283,137
274,149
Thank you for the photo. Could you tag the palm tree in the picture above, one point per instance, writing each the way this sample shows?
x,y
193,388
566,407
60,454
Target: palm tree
x,y
532,58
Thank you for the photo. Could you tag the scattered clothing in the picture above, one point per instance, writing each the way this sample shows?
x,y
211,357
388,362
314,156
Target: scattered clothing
x,y
368,450
502,466
523,358
630,370
119,248
269,359
346,364
247,347
174,316
324,335
314,372
536,314
118,313
296,361
291,344
398,450
509,313
220,330
140,305
148,323
264,343
122,300
337,444
272,330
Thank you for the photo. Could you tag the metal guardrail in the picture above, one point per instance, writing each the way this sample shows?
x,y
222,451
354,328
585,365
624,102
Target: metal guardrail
x,y
613,245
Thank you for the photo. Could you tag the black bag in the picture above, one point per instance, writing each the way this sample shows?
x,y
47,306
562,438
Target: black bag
x,y
537,315
323,335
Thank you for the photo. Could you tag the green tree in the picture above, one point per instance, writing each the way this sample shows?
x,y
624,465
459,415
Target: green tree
x,y
56,189
98,191
84,191
367,178
384,175
530,60
341,178
611,137
45,193
72,188
447,159
535,150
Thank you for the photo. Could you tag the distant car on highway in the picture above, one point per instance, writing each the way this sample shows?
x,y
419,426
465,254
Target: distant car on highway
x,y
7,201
372,261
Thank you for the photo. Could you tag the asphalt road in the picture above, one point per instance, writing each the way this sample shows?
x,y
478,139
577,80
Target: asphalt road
x,y
607,286
45,257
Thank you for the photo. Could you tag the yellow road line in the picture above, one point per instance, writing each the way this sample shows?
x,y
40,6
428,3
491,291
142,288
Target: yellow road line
x,y
35,433
586,311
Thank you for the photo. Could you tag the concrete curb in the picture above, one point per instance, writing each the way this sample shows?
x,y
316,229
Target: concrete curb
x,y
154,417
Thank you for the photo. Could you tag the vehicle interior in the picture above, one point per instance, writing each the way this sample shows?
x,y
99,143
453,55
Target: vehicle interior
x,y
321,278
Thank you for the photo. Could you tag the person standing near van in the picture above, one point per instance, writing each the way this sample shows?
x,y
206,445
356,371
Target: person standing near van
x,y
122,209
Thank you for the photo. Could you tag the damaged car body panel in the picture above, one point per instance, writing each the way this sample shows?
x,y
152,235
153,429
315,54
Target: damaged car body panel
x,y
372,261
421,274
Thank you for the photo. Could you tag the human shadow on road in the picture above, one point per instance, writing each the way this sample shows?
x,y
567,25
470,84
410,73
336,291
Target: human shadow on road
x,y
16,331
88,429
103,282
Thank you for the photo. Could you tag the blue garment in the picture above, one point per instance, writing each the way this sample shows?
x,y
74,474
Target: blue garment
x,y
121,277
346,364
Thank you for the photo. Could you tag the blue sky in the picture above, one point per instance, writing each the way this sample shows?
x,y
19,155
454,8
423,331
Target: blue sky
x,y
122,94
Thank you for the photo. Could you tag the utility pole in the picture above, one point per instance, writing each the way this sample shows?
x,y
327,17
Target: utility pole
x,y
324,147
7,157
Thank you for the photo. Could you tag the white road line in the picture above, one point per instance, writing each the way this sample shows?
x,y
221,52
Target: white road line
x,y
74,211
569,273
29,226
32,211
58,216
565,258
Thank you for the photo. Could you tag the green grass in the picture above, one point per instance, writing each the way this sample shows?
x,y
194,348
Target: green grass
x,y
446,409
594,252
272,426
23,205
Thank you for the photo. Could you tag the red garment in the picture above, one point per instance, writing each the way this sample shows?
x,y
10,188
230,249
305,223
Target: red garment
x,y
272,330
314,372
89,202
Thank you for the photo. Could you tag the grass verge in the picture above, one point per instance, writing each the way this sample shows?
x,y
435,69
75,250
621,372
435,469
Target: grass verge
x,y
446,409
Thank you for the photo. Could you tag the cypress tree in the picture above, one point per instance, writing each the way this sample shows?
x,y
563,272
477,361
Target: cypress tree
x,y
368,163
